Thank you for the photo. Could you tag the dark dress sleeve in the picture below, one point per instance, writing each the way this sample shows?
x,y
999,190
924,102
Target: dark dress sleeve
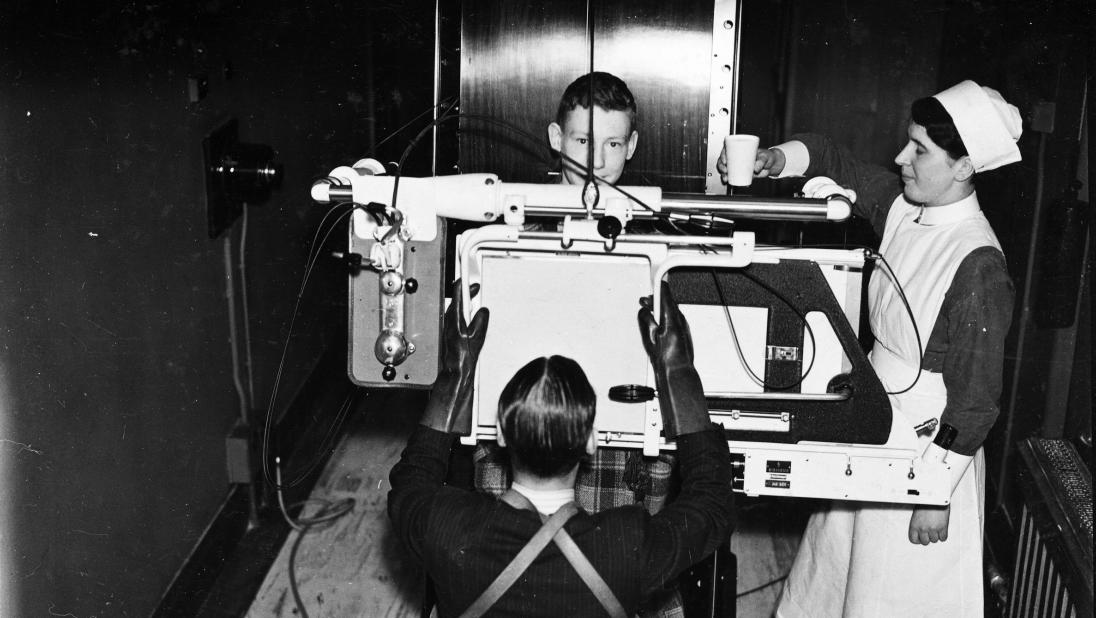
x,y
876,187
967,345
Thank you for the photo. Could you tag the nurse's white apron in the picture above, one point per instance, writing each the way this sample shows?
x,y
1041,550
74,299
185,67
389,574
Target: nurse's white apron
x,y
855,558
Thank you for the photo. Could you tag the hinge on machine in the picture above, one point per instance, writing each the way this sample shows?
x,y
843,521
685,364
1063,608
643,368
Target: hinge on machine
x,y
782,353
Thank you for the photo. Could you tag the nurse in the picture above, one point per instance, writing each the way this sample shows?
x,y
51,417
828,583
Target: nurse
x,y
864,559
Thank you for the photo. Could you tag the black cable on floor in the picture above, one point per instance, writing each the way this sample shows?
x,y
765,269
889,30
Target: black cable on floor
x,y
293,580
327,513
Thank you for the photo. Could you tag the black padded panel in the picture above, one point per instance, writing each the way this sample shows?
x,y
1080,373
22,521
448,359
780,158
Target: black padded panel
x,y
800,288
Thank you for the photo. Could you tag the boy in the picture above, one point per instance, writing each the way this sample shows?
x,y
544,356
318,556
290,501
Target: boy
x,y
610,477
614,477
615,135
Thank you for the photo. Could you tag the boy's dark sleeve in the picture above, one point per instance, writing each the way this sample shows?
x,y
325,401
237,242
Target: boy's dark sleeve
x,y
700,518
415,479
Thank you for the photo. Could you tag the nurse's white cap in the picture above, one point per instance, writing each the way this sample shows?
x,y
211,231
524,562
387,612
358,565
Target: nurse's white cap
x,y
988,124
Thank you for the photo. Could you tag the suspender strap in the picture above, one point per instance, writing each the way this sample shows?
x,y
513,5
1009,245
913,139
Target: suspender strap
x,y
517,566
552,528
574,555
589,574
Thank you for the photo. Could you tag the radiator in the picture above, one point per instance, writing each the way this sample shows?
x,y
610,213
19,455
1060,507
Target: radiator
x,y
1053,569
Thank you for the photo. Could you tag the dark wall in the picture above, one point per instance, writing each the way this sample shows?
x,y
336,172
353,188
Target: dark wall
x,y
517,59
854,67
763,68
1039,54
117,380
116,374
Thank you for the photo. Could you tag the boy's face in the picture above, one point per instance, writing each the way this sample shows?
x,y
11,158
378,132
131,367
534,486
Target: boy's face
x,y
614,143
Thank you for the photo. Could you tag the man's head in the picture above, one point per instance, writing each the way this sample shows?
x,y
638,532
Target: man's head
x,y
546,417
615,134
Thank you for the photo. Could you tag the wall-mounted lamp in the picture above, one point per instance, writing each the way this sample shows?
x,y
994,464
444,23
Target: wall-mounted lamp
x,y
235,174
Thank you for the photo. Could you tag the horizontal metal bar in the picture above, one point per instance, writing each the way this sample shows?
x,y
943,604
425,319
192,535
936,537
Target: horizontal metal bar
x,y
842,396
769,208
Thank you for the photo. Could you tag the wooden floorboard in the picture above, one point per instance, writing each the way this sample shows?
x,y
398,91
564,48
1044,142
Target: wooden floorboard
x,y
354,566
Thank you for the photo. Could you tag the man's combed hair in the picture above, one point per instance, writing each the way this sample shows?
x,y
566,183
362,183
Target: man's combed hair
x,y
609,93
930,113
546,413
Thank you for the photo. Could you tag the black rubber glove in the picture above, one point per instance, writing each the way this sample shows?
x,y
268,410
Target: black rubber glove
x,y
449,408
670,348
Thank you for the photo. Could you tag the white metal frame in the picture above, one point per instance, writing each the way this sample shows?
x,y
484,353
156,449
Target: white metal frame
x,y
893,472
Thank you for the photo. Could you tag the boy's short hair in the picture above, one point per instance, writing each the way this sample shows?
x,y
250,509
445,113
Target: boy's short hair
x,y
609,93
546,414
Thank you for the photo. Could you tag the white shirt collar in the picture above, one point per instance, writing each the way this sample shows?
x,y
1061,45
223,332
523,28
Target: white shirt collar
x,y
547,502
949,213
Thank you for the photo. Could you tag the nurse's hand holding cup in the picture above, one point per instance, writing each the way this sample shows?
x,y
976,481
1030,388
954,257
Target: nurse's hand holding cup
x,y
741,152
740,161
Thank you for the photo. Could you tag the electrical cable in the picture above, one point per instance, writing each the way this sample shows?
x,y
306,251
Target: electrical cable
x,y
448,115
317,247
762,586
532,139
285,351
341,211
246,396
241,265
738,347
730,323
708,224
806,324
326,513
444,116
327,443
233,338
409,123
588,202
566,159
292,578
318,244
734,337
876,255
913,322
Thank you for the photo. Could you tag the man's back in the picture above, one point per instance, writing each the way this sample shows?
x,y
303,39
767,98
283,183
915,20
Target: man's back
x,y
466,539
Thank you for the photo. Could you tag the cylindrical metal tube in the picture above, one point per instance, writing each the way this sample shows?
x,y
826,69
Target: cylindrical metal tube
x,y
770,208
729,206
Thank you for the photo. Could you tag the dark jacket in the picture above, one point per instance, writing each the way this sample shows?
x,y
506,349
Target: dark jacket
x,y
464,539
